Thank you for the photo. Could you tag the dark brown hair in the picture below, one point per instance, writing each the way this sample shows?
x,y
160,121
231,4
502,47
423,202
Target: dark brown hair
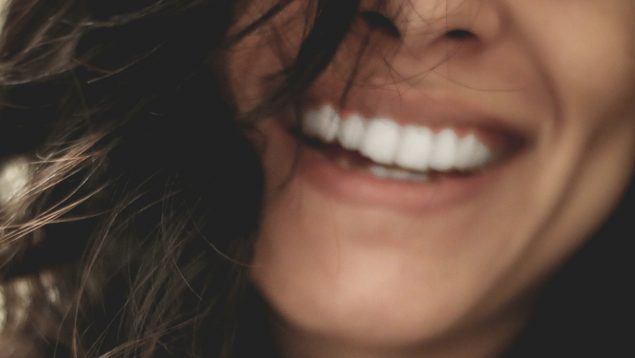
x,y
144,194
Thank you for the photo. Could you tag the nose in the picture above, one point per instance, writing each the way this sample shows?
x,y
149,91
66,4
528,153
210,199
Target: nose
x,y
431,33
426,23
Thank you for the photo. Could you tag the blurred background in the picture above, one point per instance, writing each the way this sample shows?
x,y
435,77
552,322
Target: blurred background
x,y
13,179
13,171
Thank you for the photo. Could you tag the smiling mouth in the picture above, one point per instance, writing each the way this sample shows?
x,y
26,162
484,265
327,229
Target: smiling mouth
x,y
385,148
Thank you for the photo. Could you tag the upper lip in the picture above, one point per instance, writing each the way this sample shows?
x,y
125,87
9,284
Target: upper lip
x,y
417,108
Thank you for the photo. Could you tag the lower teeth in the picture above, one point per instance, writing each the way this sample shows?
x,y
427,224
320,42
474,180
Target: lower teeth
x,y
398,174
381,171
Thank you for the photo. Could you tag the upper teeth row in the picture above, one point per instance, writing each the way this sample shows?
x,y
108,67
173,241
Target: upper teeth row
x,y
386,142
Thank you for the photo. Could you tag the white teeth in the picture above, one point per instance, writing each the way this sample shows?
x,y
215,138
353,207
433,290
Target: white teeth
x,y
482,155
322,123
351,132
443,155
465,152
381,141
395,173
413,148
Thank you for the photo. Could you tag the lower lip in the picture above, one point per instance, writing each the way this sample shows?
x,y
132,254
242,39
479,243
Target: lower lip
x,y
359,187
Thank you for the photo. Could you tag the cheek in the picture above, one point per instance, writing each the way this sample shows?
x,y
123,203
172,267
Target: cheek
x,y
588,57
601,85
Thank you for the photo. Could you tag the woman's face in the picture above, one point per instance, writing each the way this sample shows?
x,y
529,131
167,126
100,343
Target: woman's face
x,y
547,90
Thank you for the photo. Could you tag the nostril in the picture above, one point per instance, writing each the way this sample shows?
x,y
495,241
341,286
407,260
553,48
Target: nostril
x,y
460,34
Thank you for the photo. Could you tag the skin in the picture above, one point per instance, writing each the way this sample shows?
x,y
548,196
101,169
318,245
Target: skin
x,y
351,280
